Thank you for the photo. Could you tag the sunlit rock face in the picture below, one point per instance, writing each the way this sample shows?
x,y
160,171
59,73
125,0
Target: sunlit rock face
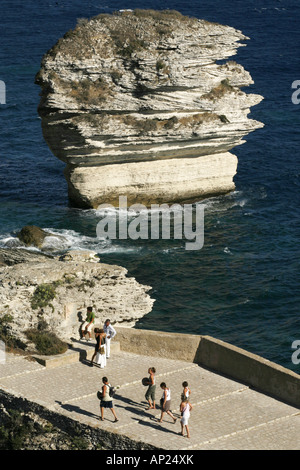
x,y
144,104
57,291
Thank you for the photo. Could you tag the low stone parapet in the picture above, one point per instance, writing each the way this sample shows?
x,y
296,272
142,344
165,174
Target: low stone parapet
x,y
219,356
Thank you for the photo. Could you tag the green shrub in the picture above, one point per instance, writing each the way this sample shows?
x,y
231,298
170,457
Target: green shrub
x,y
160,65
15,432
220,90
10,341
79,443
19,431
89,92
43,295
46,342
163,15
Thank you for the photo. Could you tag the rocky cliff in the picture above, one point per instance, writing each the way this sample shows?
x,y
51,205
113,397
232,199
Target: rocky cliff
x,y
54,292
144,104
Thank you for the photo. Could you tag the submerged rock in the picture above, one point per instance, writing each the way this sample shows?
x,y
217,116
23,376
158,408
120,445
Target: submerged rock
x,y
136,104
33,236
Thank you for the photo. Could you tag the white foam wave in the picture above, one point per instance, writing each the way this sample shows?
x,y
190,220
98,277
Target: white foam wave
x,y
10,241
135,210
70,239
212,204
63,240
7,241
224,203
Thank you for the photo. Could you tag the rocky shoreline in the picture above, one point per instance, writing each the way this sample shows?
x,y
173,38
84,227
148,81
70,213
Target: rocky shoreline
x,y
52,293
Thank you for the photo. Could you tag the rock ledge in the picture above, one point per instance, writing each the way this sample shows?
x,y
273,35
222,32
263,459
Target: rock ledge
x,y
71,284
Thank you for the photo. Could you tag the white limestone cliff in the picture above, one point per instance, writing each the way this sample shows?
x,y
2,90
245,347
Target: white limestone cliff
x,y
142,104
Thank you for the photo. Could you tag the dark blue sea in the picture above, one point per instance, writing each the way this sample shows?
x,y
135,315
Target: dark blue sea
x,y
243,285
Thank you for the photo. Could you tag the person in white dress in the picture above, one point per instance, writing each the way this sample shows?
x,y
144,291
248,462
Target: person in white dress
x,y
100,349
110,334
185,409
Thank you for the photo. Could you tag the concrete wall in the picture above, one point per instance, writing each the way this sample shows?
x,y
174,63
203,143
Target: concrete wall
x,y
261,374
157,343
217,355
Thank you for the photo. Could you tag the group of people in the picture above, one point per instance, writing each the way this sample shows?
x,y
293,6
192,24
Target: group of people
x,y
165,401
103,338
106,401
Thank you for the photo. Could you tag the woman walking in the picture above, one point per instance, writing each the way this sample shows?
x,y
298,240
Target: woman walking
x,y
185,409
106,400
150,394
166,402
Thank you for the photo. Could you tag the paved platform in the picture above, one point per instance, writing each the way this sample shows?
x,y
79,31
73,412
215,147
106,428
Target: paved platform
x,y
226,414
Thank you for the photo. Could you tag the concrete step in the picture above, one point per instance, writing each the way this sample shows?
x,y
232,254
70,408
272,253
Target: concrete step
x,y
69,357
79,351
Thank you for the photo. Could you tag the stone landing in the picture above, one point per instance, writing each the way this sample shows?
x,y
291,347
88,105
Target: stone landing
x,y
226,414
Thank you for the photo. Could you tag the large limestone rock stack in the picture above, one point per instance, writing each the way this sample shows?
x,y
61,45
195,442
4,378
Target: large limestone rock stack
x,y
136,104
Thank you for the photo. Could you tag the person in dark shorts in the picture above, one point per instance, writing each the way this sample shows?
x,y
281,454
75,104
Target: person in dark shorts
x,y
106,400
165,402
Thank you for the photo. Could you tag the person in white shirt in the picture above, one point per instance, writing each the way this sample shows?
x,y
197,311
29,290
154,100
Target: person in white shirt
x,y
165,403
110,334
186,390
